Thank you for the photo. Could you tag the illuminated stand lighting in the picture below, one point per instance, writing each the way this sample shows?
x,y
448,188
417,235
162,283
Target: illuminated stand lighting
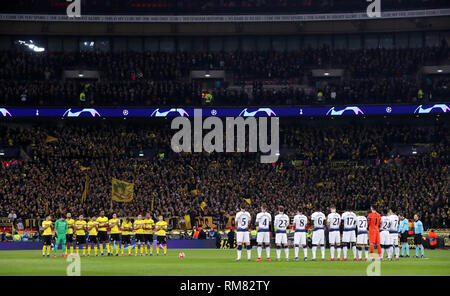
x,y
32,46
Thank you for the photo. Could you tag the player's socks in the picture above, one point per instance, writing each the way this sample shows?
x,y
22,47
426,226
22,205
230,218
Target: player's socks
x,y
314,249
101,248
268,252
391,251
71,249
332,252
286,252
417,251
108,248
84,250
239,251
421,249
145,248
354,251
372,250
89,250
338,252
129,250
359,252
151,248
142,249
157,250
66,249
78,250
379,250
43,250
345,252
278,252
165,249
322,249
48,249
95,250
383,247
296,248
305,251
259,249
397,251
366,249
407,249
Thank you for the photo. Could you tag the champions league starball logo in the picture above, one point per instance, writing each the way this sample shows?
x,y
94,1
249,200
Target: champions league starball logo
x,y
170,112
266,111
4,112
83,112
437,108
352,110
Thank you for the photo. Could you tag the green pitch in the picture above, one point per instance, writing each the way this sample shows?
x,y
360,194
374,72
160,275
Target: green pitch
x,y
216,262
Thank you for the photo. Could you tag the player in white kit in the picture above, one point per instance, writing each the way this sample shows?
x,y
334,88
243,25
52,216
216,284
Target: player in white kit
x,y
361,239
300,222
263,221
242,235
348,235
281,223
393,232
385,238
334,235
318,236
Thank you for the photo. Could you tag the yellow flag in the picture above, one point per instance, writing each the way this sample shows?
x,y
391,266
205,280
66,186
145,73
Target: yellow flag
x,y
187,221
122,191
203,205
86,189
248,200
83,168
50,139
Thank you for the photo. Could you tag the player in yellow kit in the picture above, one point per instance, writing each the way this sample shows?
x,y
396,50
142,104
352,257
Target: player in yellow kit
x,y
102,234
80,231
69,236
92,227
47,235
114,224
161,227
139,237
149,224
127,228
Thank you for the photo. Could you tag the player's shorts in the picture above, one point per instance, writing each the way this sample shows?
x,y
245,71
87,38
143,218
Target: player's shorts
x,y
263,237
281,238
318,237
385,238
243,237
348,236
418,239
361,239
115,237
161,239
334,237
126,239
60,239
93,239
47,240
374,237
300,238
81,239
139,237
404,237
69,238
394,238
148,237
102,236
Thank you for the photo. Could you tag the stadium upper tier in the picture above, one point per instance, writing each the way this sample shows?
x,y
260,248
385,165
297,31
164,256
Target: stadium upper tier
x,y
142,7
250,78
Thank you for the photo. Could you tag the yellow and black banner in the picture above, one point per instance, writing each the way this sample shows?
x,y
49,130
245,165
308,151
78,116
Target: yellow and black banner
x,y
122,191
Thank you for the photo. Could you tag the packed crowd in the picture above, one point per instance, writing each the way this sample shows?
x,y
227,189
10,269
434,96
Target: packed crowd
x,y
215,6
351,166
157,78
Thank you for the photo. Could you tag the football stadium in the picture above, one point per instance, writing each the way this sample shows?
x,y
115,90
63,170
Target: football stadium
x,y
225,138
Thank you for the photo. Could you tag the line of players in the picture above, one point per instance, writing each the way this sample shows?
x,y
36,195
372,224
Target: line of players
x,y
379,231
96,230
